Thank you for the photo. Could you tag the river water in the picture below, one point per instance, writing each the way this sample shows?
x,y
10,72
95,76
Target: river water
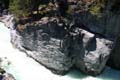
x,y
24,68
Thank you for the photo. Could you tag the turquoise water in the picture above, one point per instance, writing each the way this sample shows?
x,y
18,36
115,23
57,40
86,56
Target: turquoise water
x,y
25,68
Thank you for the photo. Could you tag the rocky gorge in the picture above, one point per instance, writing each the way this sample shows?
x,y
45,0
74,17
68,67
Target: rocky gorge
x,y
83,41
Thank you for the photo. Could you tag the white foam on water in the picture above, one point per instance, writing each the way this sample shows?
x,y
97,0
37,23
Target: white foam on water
x,y
24,68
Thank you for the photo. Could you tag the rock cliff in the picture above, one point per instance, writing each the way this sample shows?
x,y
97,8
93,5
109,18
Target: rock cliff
x,y
62,40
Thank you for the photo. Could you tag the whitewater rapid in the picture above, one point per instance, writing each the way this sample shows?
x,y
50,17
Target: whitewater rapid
x,y
24,68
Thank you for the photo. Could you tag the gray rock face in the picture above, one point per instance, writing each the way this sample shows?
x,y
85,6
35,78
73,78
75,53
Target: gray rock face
x,y
106,24
81,42
114,60
51,45
90,52
101,25
43,43
96,53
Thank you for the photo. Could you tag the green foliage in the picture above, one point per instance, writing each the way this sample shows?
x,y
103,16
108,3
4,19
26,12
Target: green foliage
x,y
20,8
96,7
23,8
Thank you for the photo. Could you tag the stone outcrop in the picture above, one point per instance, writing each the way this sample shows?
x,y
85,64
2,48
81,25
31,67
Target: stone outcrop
x,y
89,51
44,41
83,41
50,44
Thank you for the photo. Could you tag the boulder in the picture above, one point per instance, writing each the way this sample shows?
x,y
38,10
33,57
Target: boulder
x,y
89,52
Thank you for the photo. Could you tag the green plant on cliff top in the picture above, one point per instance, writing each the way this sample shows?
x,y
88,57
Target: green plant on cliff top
x,y
20,8
96,7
